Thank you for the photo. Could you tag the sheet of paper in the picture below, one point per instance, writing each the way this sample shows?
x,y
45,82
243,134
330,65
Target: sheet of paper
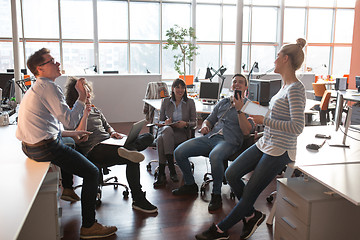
x,y
115,141
255,109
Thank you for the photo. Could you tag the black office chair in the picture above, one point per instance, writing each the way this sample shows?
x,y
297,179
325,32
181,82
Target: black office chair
x,y
111,181
207,179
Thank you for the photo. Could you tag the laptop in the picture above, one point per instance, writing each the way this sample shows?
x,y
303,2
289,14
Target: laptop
x,y
130,138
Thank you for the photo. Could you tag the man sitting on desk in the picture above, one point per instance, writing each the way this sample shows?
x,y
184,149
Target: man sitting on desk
x,y
41,111
224,130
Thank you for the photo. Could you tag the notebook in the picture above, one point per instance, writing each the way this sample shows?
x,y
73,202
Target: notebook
x,y
130,138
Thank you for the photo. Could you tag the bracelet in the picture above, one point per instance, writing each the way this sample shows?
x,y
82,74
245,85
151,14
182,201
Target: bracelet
x,y
239,111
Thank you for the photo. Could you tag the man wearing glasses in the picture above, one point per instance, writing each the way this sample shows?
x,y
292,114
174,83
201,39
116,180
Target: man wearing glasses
x,y
41,111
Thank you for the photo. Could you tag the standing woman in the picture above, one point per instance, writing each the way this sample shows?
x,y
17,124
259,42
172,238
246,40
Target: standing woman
x,y
272,152
177,117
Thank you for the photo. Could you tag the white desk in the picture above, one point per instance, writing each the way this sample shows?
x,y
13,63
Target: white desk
x,y
343,179
327,154
324,158
20,181
349,95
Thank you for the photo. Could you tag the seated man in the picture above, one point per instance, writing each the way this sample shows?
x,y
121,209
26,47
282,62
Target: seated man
x,y
103,155
224,130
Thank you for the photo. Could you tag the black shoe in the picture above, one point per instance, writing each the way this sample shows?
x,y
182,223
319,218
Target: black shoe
x,y
142,204
215,202
212,234
186,190
251,225
174,177
161,181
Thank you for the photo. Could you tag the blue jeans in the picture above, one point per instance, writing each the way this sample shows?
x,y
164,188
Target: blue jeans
x,y
265,168
72,162
215,147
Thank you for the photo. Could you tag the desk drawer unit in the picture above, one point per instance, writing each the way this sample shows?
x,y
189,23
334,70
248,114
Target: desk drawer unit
x,y
291,224
305,211
293,204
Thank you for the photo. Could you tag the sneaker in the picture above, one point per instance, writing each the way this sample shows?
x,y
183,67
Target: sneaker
x,y
186,190
212,234
69,194
215,202
251,225
133,156
143,205
161,181
97,231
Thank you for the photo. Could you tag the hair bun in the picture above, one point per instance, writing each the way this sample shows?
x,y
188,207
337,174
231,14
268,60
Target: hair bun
x,y
301,42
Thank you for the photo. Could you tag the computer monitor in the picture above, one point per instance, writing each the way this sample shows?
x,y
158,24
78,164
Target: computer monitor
x,y
111,72
11,70
339,110
7,86
209,91
262,91
357,81
338,120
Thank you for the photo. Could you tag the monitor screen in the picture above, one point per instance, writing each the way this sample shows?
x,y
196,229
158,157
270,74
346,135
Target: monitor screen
x,y
357,81
7,85
338,121
339,110
209,91
11,70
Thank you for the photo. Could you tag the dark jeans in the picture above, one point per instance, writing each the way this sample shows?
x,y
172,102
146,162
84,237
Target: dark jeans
x,y
67,178
265,168
105,155
72,162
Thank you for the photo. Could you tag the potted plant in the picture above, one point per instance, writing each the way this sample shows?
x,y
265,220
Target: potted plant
x,y
182,39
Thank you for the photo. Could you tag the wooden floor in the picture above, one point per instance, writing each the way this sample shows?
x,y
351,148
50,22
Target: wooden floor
x,y
178,218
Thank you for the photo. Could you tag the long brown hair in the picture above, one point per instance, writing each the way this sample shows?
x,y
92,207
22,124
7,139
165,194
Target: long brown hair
x,y
178,82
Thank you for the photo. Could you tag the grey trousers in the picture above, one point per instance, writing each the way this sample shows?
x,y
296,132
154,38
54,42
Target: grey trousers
x,y
169,138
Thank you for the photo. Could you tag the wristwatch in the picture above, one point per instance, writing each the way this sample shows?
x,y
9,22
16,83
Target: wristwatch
x,y
239,111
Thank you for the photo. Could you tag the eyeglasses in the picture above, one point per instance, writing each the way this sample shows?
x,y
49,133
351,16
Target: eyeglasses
x,y
52,60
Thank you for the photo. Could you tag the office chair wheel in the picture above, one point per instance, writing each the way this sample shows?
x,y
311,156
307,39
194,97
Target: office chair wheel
x,y
148,167
269,199
126,193
202,190
116,181
98,197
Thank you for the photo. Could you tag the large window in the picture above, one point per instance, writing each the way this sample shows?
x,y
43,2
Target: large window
x,y
127,35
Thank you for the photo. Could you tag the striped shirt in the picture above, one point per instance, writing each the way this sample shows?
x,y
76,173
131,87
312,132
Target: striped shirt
x,y
285,122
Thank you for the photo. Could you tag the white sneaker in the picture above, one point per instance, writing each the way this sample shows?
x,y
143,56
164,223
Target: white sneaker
x,y
133,156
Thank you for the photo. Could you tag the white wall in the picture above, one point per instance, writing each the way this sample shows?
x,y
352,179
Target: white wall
x,y
119,96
